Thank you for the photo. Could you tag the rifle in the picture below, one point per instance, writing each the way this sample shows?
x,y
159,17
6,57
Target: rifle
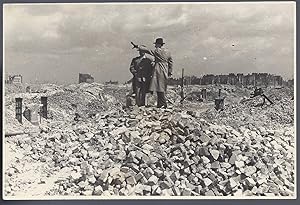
x,y
134,45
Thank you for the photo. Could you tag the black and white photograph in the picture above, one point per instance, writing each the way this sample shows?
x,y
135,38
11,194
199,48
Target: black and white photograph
x,y
149,100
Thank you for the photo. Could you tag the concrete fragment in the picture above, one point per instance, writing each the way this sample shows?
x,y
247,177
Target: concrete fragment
x,y
215,154
203,151
168,131
147,188
138,189
164,184
163,138
249,170
130,180
155,190
92,179
176,191
76,175
152,180
239,164
198,189
232,183
139,176
207,182
186,192
250,182
180,139
158,172
98,190
209,193
83,184
148,172
167,192
104,176
225,165
204,138
215,165
233,158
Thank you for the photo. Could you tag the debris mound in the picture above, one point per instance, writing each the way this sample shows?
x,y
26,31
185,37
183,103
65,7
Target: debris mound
x,y
147,151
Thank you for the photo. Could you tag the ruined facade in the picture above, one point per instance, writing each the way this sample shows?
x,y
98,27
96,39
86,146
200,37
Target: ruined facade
x,y
112,82
14,79
254,79
240,79
85,78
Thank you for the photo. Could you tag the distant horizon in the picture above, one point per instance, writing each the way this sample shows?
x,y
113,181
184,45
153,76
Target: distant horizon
x,y
122,82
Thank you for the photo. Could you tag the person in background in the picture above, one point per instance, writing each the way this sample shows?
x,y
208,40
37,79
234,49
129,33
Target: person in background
x,y
163,67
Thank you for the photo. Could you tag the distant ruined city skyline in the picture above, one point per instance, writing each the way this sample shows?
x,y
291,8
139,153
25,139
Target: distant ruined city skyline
x,y
205,75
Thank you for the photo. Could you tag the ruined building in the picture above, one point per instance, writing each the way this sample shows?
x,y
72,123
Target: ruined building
x,y
14,79
85,78
254,79
111,82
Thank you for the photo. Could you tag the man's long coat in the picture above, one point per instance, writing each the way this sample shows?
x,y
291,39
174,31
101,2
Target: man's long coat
x,y
163,66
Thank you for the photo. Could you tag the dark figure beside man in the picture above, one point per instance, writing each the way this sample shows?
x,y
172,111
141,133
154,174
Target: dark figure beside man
x,y
141,69
163,66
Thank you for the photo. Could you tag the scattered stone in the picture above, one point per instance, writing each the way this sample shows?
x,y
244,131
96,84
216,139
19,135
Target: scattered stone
x,y
149,151
250,182
203,151
147,188
186,192
148,172
215,165
204,138
233,158
92,179
215,154
139,176
98,190
75,175
176,191
249,170
239,164
207,182
152,180
156,190
232,183
209,193
131,180
139,189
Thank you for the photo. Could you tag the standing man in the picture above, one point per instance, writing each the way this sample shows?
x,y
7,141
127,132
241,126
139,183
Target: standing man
x,y
141,69
162,70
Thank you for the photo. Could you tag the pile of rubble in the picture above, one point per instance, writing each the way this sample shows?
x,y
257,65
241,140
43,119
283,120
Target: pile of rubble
x,y
148,151
253,113
64,101
243,150
84,99
14,88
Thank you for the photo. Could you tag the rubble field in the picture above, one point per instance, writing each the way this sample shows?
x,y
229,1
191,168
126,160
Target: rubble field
x,y
188,149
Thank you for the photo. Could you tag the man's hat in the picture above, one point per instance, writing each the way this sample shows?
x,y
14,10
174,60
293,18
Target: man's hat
x,y
159,41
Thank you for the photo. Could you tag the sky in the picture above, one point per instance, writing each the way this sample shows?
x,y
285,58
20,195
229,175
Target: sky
x,y
52,43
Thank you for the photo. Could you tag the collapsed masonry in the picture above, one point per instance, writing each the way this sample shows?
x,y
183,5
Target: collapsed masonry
x,y
149,151
164,154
